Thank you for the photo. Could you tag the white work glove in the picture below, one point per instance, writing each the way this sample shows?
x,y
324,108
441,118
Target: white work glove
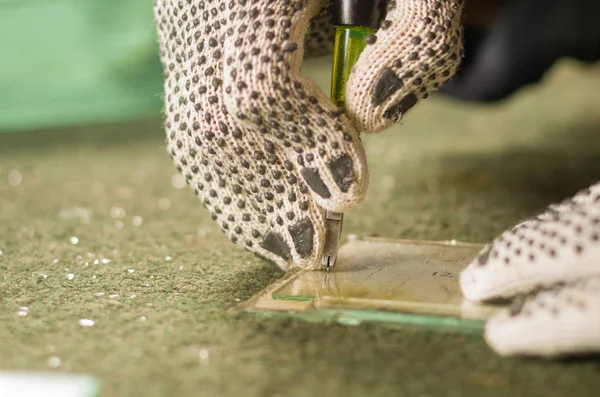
x,y
261,145
551,264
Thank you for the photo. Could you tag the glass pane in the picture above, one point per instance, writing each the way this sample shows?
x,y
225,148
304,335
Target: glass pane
x,y
399,281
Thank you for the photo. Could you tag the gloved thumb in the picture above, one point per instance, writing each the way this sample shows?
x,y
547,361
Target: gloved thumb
x,y
417,48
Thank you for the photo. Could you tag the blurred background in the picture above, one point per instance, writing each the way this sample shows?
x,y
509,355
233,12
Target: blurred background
x,y
68,62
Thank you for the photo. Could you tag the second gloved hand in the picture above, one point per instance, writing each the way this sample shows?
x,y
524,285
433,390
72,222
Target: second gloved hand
x,y
550,264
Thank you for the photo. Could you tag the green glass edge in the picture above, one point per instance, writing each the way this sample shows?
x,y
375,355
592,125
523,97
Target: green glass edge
x,y
358,317
349,317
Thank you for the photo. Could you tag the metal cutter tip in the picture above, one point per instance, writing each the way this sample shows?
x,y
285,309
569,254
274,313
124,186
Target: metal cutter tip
x,y
333,232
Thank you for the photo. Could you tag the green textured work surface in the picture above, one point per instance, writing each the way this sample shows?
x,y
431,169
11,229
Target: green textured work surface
x,y
449,172
68,62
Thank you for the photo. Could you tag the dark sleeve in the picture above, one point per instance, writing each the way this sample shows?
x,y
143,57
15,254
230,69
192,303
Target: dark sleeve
x,y
519,47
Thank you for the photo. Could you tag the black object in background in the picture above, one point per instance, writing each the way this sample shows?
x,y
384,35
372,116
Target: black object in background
x,y
522,43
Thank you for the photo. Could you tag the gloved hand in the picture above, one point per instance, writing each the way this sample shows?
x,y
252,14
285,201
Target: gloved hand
x,y
549,264
262,146
552,264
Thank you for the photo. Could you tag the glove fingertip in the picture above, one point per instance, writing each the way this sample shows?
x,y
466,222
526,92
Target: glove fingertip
x,y
549,322
416,50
